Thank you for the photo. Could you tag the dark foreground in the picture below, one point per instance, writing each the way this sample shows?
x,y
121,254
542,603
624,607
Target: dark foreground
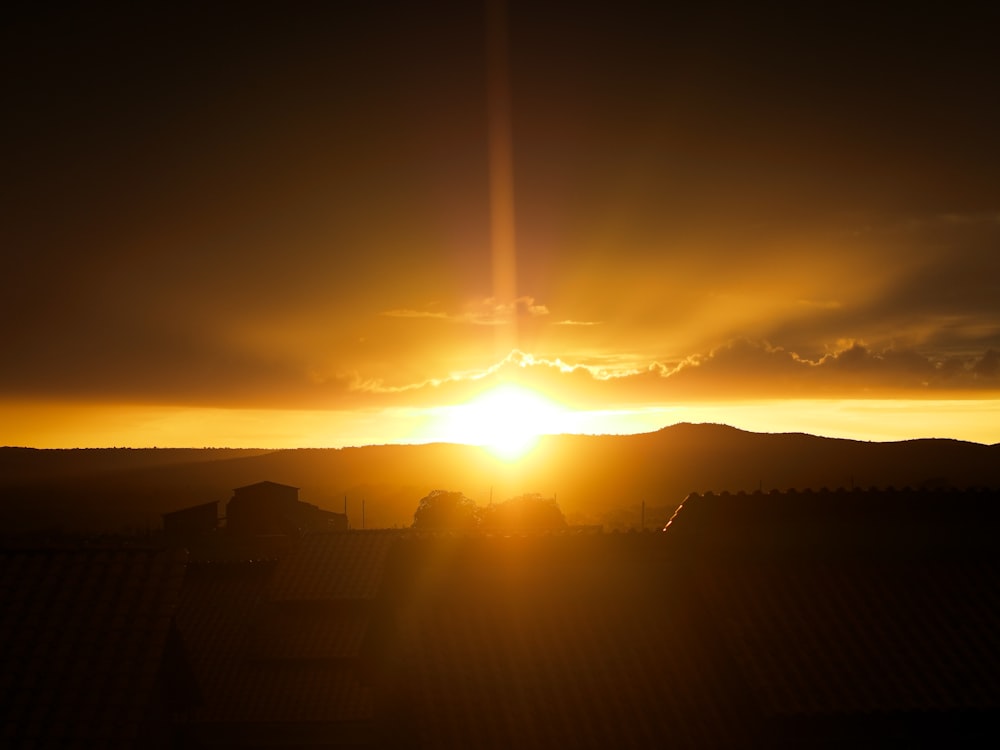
x,y
795,619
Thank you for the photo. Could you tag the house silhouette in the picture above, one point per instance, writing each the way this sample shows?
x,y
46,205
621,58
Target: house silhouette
x,y
271,508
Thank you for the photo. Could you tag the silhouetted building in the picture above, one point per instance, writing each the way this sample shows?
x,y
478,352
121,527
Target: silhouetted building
x,y
268,508
851,617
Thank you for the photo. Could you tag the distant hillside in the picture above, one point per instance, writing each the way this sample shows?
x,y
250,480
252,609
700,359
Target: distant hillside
x,y
596,479
32,464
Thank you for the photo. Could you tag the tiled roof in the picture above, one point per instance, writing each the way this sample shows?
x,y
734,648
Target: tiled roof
x,y
333,566
285,661
560,676
741,639
854,637
724,632
215,617
289,693
886,521
553,643
310,635
83,634
843,606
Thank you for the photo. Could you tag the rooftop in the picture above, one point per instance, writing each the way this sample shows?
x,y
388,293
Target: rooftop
x,y
83,638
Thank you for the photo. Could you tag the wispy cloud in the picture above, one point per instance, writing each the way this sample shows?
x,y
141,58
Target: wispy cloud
x,y
738,369
403,313
484,312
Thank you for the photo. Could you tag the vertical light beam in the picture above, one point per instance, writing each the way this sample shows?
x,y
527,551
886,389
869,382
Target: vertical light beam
x,y
501,166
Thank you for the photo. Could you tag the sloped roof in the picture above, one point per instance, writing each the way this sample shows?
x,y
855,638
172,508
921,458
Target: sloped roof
x,y
219,620
805,522
723,632
839,637
217,605
554,642
83,634
560,675
850,603
735,633
333,566
269,650
288,694
281,635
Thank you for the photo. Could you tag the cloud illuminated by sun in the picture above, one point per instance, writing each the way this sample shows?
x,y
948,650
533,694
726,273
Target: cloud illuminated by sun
x,y
507,420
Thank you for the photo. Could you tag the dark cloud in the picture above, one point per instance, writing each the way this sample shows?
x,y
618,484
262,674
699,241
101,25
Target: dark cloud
x,y
933,286
754,369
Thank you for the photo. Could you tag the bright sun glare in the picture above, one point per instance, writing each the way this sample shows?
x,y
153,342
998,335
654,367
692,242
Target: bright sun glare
x,y
507,420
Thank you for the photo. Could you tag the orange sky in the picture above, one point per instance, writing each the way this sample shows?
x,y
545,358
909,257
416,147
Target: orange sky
x,y
275,228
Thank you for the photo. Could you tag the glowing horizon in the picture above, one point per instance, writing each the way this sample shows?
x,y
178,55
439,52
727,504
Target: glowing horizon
x,y
67,425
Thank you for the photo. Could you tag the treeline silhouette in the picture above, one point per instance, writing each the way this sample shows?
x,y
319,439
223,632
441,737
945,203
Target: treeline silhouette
x,y
442,510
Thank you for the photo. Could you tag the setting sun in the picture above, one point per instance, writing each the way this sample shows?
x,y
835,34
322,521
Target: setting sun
x,y
507,420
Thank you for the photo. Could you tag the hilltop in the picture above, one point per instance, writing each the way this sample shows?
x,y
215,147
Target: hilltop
x,y
596,479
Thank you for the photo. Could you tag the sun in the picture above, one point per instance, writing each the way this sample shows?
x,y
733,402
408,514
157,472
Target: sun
x,y
507,420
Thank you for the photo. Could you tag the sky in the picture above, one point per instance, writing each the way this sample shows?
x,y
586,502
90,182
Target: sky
x,y
287,225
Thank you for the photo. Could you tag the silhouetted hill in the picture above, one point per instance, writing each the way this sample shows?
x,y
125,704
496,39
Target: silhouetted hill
x,y
596,479
32,464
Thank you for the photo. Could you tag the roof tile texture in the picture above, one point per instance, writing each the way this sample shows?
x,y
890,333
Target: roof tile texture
x,y
83,634
333,566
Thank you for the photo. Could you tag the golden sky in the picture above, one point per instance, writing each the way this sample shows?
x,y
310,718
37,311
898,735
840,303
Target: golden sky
x,y
274,227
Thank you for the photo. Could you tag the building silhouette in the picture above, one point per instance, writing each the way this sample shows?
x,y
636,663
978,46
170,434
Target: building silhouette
x,y
272,508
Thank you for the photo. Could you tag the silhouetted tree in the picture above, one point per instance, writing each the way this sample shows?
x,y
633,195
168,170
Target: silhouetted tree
x,y
529,512
444,510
